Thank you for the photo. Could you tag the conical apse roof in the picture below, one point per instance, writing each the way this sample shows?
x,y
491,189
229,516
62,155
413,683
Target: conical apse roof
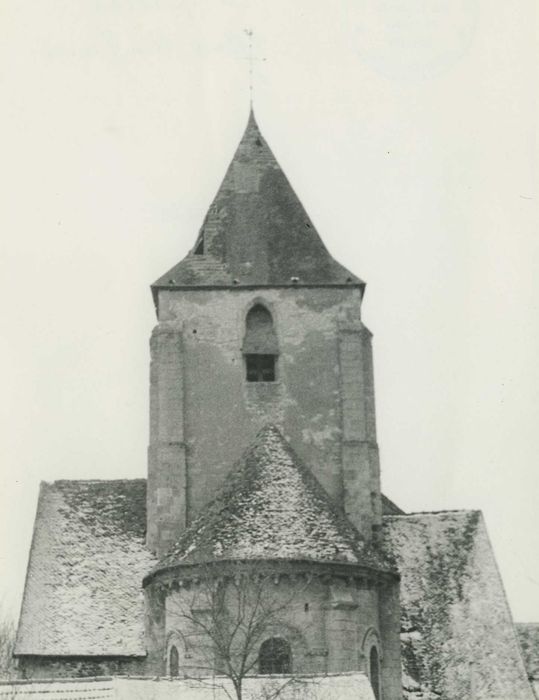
x,y
272,507
256,231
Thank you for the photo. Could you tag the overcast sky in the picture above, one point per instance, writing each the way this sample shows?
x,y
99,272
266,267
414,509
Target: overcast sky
x,y
408,129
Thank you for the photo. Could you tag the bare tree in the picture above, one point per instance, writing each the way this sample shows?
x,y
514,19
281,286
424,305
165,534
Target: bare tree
x,y
7,644
225,617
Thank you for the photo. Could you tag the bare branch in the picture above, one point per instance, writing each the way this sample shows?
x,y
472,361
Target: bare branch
x,y
230,616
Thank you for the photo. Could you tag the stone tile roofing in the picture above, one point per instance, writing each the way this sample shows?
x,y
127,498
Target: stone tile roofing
x,y
256,231
528,634
83,593
457,634
458,639
272,507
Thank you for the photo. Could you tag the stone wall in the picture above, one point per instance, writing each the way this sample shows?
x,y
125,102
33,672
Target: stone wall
x,y
37,667
204,414
330,621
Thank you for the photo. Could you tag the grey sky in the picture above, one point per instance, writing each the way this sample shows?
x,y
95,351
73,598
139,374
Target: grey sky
x,y
409,132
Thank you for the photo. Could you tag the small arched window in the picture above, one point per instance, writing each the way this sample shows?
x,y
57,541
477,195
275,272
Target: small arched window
x,y
275,656
260,347
174,662
374,672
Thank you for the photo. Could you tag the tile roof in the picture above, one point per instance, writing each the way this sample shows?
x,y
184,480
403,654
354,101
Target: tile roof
x,y
272,507
458,638
83,593
88,559
256,231
528,634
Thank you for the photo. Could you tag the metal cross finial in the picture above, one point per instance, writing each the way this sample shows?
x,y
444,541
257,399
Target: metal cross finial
x,y
249,33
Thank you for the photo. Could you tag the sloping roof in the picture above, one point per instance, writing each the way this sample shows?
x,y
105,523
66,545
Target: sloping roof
x,y
528,634
88,559
83,592
272,507
390,508
458,637
256,231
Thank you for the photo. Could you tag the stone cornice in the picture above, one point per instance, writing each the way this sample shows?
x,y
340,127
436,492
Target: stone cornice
x,y
180,575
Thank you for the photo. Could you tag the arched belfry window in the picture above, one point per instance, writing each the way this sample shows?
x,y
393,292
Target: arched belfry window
x,y
260,347
173,662
374,672
275,656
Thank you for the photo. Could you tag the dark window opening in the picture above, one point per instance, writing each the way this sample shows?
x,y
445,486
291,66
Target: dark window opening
x,y
199,248
374,672
174,662
275,657
260,368
260,345
306,607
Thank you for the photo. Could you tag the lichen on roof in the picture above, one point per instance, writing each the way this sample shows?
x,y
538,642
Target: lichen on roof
x,y
457,635
528,635
272,507
256,231
83,591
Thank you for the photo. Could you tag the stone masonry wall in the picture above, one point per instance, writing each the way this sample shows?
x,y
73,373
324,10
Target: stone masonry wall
x,y
328,621
166,506
36,667
206,413
360,460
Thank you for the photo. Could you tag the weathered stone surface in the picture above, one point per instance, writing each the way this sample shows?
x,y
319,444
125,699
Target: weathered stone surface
x,y
528,635
220,412
458,638
83,593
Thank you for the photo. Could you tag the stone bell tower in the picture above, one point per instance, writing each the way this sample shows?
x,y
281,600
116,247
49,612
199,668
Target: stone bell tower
x,y
258,325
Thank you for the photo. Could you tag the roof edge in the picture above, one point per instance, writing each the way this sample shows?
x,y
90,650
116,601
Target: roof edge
x,y
271,561
42,486
155,288
469,511
23,654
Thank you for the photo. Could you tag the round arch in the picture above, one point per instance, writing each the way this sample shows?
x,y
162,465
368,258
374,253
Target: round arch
x,y
260,346
374,672
370,638
371,648
175,655
173,661
275,656
294,637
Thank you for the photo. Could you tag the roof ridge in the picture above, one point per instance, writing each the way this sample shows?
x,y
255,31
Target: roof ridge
x,y
94,481
434,512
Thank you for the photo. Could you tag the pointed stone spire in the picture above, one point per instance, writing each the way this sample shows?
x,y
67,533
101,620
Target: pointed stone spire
x,y
256,232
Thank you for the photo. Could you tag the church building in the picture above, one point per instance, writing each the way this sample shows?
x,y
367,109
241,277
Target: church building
x,y
263,465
